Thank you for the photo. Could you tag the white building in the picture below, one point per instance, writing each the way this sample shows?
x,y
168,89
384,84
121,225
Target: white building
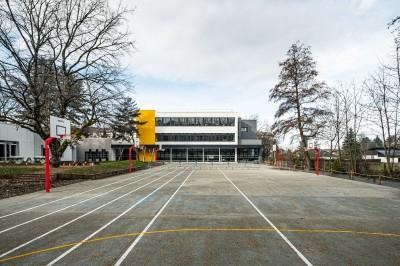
x,y
21,144
177,136
206,137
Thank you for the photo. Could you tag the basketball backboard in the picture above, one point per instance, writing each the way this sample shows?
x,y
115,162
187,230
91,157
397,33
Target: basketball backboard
x,y
310,144
60,127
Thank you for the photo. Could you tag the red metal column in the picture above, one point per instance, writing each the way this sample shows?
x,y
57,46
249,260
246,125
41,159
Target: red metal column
x,y
47,163
317,158
277,158
130,168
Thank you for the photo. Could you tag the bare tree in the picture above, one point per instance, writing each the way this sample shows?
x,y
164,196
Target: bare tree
x,y
384,105
334,129
383,89
268,139
299,92
60,57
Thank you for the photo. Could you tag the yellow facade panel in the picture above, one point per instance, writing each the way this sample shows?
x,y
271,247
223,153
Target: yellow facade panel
x,y
147,131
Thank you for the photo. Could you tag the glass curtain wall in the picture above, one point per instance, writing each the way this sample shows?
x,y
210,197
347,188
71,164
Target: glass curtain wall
x,y
179,155
164,155
195,155
198,137
211,155
248,154
195,121
227,155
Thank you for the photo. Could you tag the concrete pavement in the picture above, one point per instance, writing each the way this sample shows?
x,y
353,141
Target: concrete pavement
x,y
204,215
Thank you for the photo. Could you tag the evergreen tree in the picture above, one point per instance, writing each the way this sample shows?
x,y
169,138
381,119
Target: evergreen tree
x,y
124,122
299,92
378,142
352,148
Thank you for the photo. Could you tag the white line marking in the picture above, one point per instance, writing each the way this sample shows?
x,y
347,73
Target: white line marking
x,y
137,239
73,195
302,257
83,215
67,207
110,222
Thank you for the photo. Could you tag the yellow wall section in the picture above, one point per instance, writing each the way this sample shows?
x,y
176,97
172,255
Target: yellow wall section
x,y
148,156
147,132
147,135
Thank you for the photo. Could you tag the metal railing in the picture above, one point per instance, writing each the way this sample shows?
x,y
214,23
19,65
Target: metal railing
x,y
284,165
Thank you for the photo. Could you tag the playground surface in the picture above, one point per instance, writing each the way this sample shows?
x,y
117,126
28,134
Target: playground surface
x,y
219,214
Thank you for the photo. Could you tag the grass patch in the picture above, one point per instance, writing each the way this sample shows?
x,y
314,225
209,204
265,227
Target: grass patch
x,y
103,167
20,170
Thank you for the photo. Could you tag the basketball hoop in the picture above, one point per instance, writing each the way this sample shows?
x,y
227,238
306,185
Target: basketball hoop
x,y
60,128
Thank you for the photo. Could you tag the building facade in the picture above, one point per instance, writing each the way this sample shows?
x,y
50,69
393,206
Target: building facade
x,y
165,136
19,144
202,137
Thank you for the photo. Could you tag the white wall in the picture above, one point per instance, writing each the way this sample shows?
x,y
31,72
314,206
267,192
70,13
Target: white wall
x,y
25,139
383,159
29,144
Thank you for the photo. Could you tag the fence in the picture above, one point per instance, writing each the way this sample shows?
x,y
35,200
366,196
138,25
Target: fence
x,y
327,167
14,185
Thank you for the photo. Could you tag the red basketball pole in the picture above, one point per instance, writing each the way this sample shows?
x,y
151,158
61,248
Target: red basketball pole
x,y
317,157
47,163
130,168
277,157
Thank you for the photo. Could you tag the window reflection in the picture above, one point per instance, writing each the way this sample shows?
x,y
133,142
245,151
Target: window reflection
x,y
184,137
195,121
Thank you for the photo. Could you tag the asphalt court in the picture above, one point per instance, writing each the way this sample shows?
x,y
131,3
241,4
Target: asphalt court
x,y
204,214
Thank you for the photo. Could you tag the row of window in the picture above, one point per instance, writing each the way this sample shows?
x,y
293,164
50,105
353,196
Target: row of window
x,y
7,150
195,121
96,156
205,137
208,155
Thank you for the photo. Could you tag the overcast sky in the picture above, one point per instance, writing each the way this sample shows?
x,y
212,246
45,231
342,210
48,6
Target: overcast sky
x,y
223,55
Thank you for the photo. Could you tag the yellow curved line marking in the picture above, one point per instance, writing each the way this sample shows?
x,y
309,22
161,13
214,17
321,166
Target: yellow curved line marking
x,y
198,230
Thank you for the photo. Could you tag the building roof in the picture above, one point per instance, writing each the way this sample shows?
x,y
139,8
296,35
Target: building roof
x,y
381,152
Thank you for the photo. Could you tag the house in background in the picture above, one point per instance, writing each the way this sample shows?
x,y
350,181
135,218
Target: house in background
x,y
380,154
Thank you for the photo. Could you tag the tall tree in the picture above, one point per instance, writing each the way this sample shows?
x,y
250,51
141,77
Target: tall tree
x,y
352,147
299,93
378,142
61,58
383,89
124,122
267,138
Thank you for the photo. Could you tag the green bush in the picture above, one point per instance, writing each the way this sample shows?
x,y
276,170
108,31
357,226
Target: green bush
x,y
385,170
337,166
298,163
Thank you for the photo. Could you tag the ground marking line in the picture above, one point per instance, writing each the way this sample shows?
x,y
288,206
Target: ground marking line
x,y
137,239
302,257
179,230
73,195
112,221
70,206
83,215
